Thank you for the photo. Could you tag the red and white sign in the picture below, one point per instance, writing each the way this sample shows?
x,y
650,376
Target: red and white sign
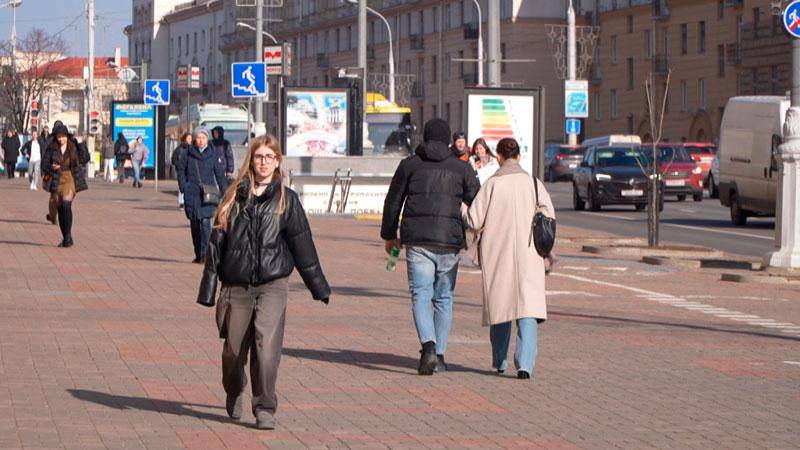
x,y
195,77
278,59
183,76
273,55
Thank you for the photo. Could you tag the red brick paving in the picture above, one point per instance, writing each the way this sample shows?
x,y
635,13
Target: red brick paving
x,y
102,346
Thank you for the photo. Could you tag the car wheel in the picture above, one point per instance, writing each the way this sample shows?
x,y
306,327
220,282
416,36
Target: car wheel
x,y
713,190
698,197
640,206
681,198
577,203
738,215
593,203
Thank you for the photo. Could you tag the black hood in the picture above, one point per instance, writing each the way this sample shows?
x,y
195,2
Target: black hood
x,y
220,131
433,151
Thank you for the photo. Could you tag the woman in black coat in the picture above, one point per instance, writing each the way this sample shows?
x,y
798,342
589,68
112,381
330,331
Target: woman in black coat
x,y
62,166
177,154
260,236
11,147
200,165
121,152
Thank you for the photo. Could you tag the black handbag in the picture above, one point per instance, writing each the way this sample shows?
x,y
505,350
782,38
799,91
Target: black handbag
x,y
543,228
209,193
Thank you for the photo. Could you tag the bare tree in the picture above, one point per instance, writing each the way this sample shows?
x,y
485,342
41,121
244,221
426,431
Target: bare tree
x,y
654,171
34,74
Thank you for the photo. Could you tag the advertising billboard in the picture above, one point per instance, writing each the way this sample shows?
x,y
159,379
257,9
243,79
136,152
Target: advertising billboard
x,y
316,122
134,120
497,114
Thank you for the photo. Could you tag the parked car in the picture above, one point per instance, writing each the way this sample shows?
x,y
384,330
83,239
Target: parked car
x,y
751,131
612,139
681,175
561,161
713,176
611,175
702,153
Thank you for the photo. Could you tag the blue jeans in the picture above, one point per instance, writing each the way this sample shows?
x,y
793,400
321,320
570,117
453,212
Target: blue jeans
x,y
201,233
137,167
527,344
431,279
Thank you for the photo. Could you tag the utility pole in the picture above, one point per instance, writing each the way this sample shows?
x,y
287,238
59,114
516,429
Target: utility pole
x,y
571,57
362,47
795,72
480,43
90,83
493,25
259,115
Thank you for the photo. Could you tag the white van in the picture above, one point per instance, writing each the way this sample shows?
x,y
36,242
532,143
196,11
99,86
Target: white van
x,y
611,140
751,131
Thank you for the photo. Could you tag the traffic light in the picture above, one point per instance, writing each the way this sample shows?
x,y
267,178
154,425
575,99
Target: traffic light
x,y
34,113
94,122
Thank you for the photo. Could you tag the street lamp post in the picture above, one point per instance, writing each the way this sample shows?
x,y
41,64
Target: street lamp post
x,y
14,4
250,27
391,52
480,44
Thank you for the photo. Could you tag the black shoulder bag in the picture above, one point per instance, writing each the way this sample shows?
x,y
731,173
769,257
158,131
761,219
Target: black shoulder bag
x,y
209,193
543,228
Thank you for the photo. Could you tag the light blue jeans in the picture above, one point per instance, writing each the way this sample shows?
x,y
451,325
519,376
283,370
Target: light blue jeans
x,y
431,280
137,167
527,344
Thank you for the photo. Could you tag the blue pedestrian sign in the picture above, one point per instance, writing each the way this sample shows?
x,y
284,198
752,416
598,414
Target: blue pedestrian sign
x,y
791,19
573,126
249,79
156,92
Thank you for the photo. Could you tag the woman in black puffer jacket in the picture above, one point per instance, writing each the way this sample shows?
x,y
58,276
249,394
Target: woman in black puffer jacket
x,y
260,235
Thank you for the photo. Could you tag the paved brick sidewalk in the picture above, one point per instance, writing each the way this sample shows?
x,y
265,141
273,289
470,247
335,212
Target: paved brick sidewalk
x,y
102,346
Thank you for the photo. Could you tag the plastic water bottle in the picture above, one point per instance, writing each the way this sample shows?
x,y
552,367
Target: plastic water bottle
x,y
393,254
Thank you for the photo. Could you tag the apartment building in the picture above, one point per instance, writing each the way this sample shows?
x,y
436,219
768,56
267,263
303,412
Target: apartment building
x,y
710,50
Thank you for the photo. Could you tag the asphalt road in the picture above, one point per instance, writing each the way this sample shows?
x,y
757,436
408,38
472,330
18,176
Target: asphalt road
x,y
705,223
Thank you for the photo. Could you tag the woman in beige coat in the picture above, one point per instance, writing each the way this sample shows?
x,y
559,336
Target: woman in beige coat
x,y
513,272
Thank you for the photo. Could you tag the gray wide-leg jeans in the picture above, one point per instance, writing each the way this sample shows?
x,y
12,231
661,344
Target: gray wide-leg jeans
x,y
251,319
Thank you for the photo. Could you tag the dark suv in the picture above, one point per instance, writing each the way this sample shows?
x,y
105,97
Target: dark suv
x,y
611,175
561,161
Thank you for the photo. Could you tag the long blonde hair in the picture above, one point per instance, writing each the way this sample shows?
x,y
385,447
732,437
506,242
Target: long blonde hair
x,y
223,214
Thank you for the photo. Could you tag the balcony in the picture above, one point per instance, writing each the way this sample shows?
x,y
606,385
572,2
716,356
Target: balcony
x,y
660,10
660,65
323,62
418,90
470,79
733,54
417,42
470,32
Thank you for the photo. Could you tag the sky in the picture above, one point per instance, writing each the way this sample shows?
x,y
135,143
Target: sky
x,y
69,18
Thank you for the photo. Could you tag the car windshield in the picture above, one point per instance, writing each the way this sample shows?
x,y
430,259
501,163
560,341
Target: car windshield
x,y
572,151
704,150
619,158
667,154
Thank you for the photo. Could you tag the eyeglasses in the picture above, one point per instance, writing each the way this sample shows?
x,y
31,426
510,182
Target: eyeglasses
x,y
262,158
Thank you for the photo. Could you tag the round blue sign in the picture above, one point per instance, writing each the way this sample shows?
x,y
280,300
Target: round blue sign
x,y
791,19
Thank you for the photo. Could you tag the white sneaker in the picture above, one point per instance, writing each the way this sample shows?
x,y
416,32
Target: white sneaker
x,y
33,187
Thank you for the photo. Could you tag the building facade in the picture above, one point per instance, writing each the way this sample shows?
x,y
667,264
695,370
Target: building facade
x,y
709,50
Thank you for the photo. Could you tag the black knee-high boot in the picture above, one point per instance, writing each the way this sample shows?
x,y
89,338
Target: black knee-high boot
x,y
65,222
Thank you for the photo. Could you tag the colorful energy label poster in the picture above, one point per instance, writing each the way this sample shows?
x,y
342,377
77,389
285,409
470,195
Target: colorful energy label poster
x,y
494,117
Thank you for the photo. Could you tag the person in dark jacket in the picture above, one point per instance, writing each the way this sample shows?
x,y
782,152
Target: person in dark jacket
x,y
200,165
460,147
62,165
11,147
224,150
260,236
177,154
432,184
121,152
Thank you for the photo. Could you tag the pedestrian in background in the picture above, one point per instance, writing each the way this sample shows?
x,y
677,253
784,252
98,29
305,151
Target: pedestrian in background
x,y
513,273
63,163
11,147
431,184
459,147
108,159
33,153
224,150
177,154
139,153
483,160
200,165
121,152
260,235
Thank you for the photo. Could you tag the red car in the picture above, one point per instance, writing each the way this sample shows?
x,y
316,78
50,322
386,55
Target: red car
x,y
703,154
682,176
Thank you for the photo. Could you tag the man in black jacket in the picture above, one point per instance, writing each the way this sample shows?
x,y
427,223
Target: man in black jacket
x,y
224,150
431,184
11,147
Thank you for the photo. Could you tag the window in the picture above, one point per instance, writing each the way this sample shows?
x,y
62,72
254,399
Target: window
x,y
446,13
422,22
720,9
503,65
187,44
203,40
666,46
71,100
774,81
434,71
461,64
460,113
349,37
630,24
755,81
666,98
435,111
597,107
447,71
684,39
194,47
756,22
702,32
461,19
435,24
684,100
721,60
613,50
630,73
408,24
447,112
179,46
337,41
211,38
370,38
421,74
739,84
702,85
613,103
648,44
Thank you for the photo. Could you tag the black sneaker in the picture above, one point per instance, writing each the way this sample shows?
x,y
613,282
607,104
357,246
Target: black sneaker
x,y
441,366
233,404
523,375
428,360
